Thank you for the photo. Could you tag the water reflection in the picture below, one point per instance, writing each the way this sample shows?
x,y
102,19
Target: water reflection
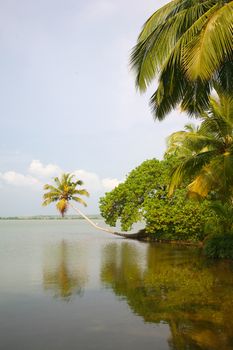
x,y
65,270
177,287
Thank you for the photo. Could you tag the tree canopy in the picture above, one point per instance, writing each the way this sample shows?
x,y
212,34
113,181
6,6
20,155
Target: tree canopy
x,y
143,197
64,190
187,45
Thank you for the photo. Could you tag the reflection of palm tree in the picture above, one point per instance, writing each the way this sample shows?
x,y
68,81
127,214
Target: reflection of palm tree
x,y
62,275
173,287
121,264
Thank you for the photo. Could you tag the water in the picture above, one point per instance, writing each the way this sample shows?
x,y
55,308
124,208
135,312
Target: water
x,y
65,286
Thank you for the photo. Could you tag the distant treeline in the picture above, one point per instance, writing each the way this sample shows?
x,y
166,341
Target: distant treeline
x,y
49,217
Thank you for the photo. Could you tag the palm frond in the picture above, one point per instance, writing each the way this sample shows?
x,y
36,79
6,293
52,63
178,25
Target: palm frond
x,y
205,155
189,45
51,194
57,181
203,183
188,168
167,25
79,200
65,191
81,192
48,201
224,76
207,51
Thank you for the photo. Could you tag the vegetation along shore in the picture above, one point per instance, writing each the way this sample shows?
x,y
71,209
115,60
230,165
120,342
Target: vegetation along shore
x,y
187,46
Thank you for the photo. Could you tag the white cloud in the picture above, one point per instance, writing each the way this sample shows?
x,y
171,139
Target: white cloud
x,y
29,185
110,184
93,183
38,173
91,180
17,179
38,169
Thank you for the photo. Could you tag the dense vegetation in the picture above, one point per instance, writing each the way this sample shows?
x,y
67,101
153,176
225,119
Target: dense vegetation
x,y
188,195
144,197
207,152
187,45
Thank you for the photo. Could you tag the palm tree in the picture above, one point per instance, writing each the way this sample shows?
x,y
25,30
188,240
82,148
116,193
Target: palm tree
x,y
64,191
188,44
205,154
178,141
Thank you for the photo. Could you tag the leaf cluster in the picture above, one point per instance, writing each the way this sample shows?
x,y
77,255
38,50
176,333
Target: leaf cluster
x,y
64,190
219,245
144,197
206,152
187,45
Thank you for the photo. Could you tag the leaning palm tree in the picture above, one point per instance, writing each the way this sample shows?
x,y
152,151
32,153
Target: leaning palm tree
x,y
64,191
205,154
186,44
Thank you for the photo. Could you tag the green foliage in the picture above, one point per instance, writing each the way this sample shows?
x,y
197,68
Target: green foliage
x,y
65,189
205,155
178,218
187,45
219,242
224,218
125,202
219,246
144,197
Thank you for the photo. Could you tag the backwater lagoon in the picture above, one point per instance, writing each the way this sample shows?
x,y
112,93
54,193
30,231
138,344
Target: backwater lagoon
x,y
65,286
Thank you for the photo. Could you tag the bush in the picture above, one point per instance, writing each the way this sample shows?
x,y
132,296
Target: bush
x,y
219,246
143,196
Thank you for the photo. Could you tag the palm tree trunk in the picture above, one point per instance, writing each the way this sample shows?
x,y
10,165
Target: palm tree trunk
x,y
125,235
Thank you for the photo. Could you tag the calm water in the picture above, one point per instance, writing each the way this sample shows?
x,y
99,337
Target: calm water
x,y
65,286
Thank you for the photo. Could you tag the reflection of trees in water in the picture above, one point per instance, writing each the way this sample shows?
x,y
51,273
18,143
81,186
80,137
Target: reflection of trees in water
x,y
64,272
177,287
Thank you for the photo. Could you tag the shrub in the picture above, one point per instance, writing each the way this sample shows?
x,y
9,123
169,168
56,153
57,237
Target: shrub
x,y
219,246
143,196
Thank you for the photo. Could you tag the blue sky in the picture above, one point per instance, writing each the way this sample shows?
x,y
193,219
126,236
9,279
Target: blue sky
x,y
68,99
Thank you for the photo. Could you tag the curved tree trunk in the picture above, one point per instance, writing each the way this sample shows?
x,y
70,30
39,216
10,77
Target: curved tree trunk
x,y
125,235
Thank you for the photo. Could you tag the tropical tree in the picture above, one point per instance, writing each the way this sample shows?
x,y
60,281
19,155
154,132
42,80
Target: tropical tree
x,y
224,215
205,155
187,45
143,197
64,191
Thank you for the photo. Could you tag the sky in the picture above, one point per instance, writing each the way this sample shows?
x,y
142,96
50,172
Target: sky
x,y
68,98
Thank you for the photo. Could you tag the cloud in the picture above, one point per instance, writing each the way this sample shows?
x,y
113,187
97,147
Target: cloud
x,y
17,179
110,184
93,182
39,172
44,171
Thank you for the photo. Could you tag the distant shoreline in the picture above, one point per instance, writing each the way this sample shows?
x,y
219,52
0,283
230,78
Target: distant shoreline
x,y
49,217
